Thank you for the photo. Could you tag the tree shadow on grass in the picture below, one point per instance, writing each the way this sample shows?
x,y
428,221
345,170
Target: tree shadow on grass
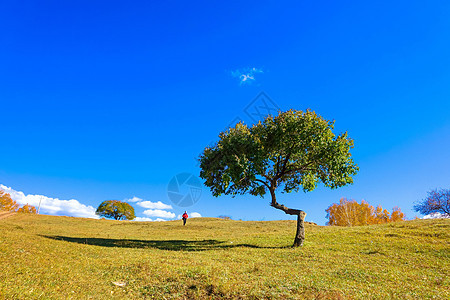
x,y
174,245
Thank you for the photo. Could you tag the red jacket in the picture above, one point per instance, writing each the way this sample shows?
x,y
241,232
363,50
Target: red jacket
x,y
185,216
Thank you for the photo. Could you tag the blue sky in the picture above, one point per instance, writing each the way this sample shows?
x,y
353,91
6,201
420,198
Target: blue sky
x,y
110,100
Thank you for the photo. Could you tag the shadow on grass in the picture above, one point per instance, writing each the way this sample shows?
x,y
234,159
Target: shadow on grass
x,y
174,245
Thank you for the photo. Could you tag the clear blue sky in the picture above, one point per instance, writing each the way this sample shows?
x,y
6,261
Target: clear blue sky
x,y
110,99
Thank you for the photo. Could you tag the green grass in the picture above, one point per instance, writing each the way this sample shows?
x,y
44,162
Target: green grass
x,y
61,257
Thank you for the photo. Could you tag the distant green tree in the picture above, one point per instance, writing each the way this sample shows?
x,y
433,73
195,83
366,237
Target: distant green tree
x,y
287,152
115,209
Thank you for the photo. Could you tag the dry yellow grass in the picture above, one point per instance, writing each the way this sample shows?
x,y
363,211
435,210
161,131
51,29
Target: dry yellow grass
x,y
61,257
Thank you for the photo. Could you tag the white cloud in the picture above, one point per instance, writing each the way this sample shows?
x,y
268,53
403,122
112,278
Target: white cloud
x,y
154,205
159,213
144,219
160,220
53,206
195,215
246,75
436,216
134,199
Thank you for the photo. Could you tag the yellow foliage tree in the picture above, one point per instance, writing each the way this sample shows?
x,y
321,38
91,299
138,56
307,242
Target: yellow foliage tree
x,y
352,213
380,216
397,215
6,203
28,209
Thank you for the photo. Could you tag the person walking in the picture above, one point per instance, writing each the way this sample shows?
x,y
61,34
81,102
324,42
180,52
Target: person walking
x,y
185,216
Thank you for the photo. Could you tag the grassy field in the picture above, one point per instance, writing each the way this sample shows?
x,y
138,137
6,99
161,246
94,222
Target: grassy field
x,y
61,257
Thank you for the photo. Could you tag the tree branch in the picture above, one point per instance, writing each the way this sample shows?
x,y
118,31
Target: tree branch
x,y
263,182
302,168
298,170
286,160
278,164
288,211
281,173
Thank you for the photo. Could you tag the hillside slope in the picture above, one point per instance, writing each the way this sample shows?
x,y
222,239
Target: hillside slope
x,y
5,214
61,257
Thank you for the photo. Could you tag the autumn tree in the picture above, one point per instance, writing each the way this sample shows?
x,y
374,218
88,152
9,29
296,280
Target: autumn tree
x,y
115,209
397,215
381,216
7,203
352,213
29,209
292,151
438,201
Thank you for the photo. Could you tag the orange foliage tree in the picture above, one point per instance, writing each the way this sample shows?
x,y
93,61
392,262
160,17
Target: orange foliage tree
x,y
28,209
352,213
6,203
397,215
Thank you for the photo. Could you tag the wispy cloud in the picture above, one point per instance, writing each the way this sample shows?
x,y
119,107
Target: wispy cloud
x,y
158,213
148,204
246,75
52,206
134,199
154,205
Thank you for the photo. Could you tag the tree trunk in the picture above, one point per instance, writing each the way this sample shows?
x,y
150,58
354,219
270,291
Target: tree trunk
x,y
300,235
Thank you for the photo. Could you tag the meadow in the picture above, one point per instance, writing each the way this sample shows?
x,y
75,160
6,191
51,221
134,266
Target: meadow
x,y
62,257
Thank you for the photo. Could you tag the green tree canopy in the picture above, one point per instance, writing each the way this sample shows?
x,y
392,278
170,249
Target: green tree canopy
x,y
292,151
115,209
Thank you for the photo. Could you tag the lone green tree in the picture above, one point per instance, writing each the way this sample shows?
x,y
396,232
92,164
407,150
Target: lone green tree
x,y
292,151
115,209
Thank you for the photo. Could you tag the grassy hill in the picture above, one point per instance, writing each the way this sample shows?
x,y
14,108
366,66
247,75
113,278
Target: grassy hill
x,y
61,257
